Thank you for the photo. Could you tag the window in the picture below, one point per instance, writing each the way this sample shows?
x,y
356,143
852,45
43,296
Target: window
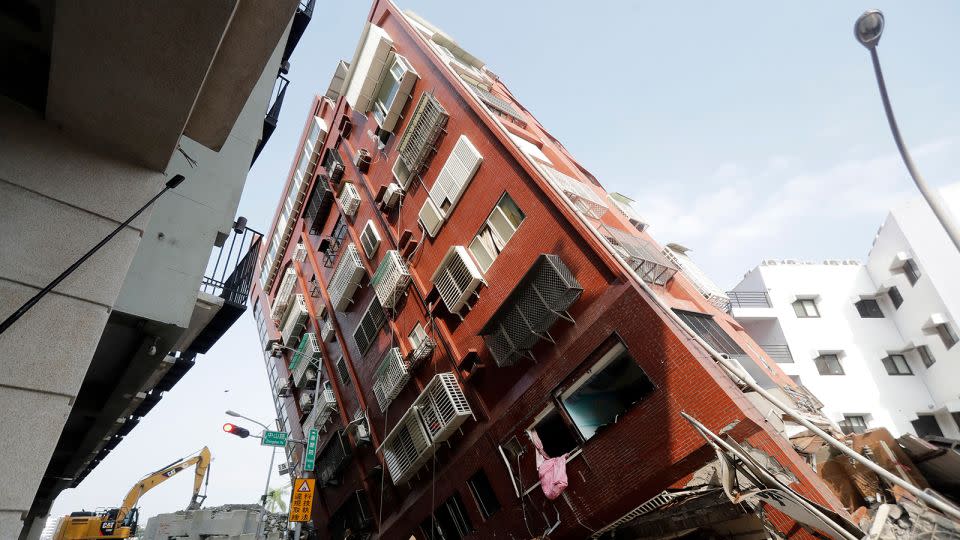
x,y
912,271
926,425
556,437
828,364
370,324
806,308
385,104
342,372
710,331
503,221
853,423
370,239
895,297
868,308
483,493
449,521
926,356
947,335
606,391
401,173
417,336
261,320
896,364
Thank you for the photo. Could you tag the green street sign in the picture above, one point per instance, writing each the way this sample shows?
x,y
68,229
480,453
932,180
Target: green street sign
x,y
311,450
274,438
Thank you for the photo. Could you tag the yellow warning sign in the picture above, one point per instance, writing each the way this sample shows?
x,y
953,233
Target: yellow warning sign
x,y
301,502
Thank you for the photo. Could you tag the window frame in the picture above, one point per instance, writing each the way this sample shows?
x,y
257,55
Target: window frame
x,y
343,372
895,297
861,421
421,334
803,302
482,505
492,227
892,367
376,239
824,356
926,357
948,336
865,308
912,271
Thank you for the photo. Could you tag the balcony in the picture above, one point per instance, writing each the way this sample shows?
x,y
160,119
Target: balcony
x,y
644,257
273,115
750,305
778,353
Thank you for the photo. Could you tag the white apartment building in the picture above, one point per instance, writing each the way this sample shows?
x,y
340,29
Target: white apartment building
x,y
876,342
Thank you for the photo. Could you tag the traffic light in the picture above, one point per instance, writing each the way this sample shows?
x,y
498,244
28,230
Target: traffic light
x,y
234,429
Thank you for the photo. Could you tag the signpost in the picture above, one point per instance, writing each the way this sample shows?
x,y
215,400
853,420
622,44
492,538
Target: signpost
x,y
301,502
311,450
274,438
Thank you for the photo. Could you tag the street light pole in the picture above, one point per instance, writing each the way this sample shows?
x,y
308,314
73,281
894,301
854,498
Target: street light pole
x,y
261,533
868,29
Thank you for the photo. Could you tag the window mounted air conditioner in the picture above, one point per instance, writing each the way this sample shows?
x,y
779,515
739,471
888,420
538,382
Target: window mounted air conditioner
x,y
284,292
296,320
349,199
392,195
456,278
362,160
336,172
299,253
370,239
391,279
346,278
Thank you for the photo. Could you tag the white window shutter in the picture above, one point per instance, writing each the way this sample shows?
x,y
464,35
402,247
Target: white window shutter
x,y
459,169
431,217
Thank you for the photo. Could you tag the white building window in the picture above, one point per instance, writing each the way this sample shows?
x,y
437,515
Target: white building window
x,y
853,423
896,364
912,271
828,364
926,356
806,308
499,228
947,334
393,92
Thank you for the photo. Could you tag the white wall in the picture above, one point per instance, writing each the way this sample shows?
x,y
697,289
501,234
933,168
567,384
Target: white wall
x,y
890,401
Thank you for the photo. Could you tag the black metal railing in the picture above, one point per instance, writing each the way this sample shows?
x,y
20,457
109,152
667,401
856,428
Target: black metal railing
x,y
273,114
749,299
231,266
778,353
335,455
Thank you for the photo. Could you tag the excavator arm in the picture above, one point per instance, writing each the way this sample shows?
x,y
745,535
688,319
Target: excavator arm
x,y
152,480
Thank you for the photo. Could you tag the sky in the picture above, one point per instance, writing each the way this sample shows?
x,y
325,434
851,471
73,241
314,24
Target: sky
x,y
744,131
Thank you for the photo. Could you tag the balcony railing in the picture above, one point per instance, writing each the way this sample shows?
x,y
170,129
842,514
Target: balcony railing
x,y
749,299
273,115
778,353
230,268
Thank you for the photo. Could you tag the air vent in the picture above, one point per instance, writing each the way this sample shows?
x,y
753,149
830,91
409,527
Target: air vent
x,y
456,278
370,239
391,279
349,199
346,277
325,404
295,322
390,377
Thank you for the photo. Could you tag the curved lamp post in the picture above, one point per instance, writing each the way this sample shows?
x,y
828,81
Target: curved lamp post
x,y
868,29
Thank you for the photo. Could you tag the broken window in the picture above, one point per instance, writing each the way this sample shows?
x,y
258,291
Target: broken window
x,y
556,436
449,521
606,391
483,493
853,423
926,425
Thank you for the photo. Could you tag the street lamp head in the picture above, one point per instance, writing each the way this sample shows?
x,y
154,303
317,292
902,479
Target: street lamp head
x,y
869,28
229,412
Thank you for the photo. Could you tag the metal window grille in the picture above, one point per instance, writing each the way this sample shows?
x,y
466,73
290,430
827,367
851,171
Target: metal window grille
x,y
349,199
710,331
589,201
318,205
443,407
424,349
407,447
334,456
425,126
346,277
541,297
642,256
342,373
391,279
370,324
296,320
284,292
306,358
649,506
498,103
456,278
390,377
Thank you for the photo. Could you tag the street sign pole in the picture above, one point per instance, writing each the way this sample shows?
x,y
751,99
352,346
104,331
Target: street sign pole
x,y
311,456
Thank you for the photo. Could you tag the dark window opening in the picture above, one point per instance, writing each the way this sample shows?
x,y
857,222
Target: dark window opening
x,y
828,364
912,271
342,372
556,437
895,297
853,424
947,335
868,308
926,425
806,308
332,244
710,331
896,364
926,356
483,493
449,521
607,393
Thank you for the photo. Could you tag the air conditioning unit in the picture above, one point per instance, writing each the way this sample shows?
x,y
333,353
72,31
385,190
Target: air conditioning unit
x,y
424,350
391,279
282,389
306,402
431,217
349,199
346,278
392,195
336,172
327,332
299,253
456,278
276,350
296,320
284,291
390,377
362,160
370,239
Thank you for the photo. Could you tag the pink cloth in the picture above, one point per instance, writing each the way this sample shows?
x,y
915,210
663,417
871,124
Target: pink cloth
x,y
552,471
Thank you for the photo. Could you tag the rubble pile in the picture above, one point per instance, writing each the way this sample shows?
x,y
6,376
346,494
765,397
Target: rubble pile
x,y
227,522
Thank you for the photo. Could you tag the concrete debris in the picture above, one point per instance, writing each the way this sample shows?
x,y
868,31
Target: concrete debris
x,y
227,522
908,520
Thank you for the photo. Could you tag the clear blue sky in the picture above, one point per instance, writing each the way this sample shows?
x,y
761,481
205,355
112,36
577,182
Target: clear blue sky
x,y
745,131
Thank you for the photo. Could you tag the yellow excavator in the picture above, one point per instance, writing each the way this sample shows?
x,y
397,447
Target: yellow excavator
x,y
121,522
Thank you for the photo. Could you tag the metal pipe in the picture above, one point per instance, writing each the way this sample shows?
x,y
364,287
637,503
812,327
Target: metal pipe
x,y
261,533
933,199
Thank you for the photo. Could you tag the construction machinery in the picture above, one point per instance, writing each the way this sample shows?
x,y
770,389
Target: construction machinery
x,y
115,523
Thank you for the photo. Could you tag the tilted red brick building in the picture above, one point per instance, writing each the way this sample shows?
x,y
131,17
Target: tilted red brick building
x,y
443,279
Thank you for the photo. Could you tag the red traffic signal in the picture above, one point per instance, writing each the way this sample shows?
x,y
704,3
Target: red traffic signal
x,y
234,429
